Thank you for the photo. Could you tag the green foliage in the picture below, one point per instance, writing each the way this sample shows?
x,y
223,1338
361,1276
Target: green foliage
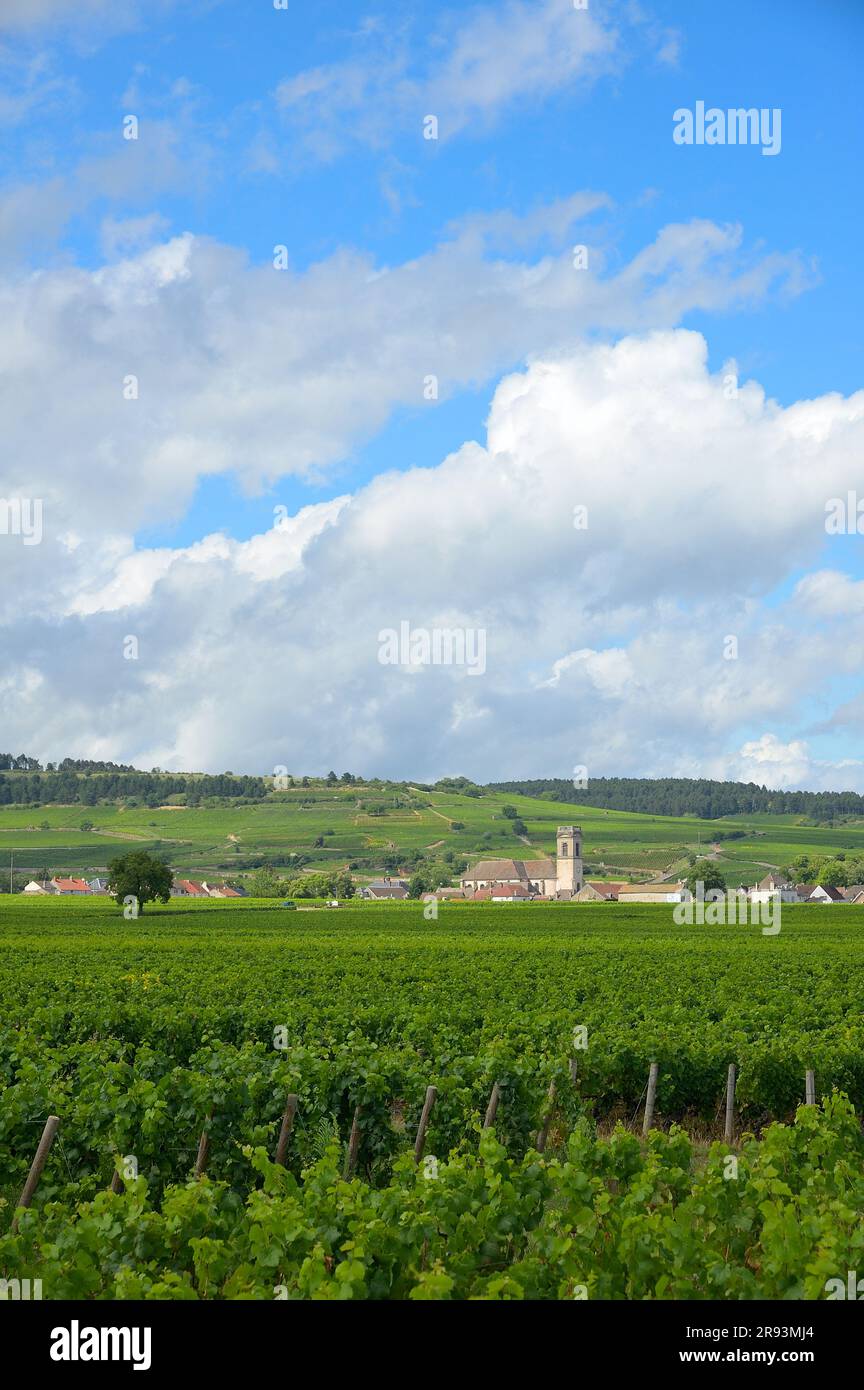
x,y
267,883
835,871
136,1045
139,876
679,796
610,1218
706,872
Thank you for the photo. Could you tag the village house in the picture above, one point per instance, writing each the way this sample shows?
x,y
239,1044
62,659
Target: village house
x,y
385,888
821,893
773,886
220,891
71,887
504,893
188,888
651,893
596,892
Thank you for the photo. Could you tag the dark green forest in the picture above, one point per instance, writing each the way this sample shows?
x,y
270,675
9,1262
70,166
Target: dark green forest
x,y
25,781
684,796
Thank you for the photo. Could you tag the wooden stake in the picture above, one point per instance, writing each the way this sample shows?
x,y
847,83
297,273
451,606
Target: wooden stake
x,y
286,1130
574,1070
729,1131
117,1184
544,1131
810,1088
650,1098
492,1107
353,1143
51,1127
203,1155
428,1104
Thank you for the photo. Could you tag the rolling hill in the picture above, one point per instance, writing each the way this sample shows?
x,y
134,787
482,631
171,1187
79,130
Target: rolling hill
x,y
387,826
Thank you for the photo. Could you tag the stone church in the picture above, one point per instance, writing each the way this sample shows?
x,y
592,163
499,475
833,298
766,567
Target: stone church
x,y
559,878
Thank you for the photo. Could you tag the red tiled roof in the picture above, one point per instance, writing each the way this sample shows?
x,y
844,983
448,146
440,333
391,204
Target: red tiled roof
x,y
606,890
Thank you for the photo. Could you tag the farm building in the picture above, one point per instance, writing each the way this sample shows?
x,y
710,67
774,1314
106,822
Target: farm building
x,y
772,886
70,887
651,893
380,889
596,892
508,893
819,893
188,888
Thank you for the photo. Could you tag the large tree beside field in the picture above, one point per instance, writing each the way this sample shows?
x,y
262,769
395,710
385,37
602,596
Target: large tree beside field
x,y
704,871
139,875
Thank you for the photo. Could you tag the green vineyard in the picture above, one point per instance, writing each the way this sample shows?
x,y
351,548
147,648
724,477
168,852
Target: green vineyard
x,y
203,1018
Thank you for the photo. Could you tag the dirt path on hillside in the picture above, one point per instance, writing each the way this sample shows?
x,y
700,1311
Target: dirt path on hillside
x,y
127,835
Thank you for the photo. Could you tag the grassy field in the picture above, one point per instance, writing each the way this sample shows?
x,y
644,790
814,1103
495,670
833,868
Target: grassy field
x,y
358,824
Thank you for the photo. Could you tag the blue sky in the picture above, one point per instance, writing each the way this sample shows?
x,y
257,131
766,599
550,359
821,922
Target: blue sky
x,y
304,127
214,80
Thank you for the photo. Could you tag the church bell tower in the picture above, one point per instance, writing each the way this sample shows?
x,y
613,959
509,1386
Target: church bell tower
x,y
568,864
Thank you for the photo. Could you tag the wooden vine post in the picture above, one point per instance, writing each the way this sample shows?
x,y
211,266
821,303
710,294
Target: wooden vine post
x,y
492,1107
40,1158
353,1143
650,1099
810,1088
547,1121
203,1154
729,1130
286,1129
428,1104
